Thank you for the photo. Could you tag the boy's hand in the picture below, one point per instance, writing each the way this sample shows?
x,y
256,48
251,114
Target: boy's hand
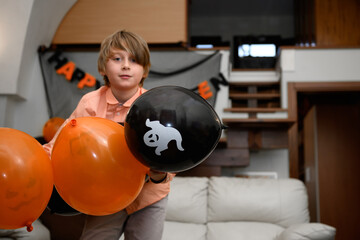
x,y
156,176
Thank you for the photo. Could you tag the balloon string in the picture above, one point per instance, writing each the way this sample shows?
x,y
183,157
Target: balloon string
x,y
29,227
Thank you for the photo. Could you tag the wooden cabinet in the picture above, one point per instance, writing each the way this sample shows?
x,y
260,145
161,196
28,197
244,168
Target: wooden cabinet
x,y
337,22
328,23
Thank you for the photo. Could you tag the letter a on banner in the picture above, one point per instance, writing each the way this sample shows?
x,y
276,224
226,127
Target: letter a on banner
x,y
67,69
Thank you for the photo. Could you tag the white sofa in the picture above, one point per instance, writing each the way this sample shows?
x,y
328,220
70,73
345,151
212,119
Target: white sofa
x,y
40,232
226,208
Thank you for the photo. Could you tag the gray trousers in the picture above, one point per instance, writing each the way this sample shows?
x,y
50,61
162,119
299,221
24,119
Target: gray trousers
x,y
145,224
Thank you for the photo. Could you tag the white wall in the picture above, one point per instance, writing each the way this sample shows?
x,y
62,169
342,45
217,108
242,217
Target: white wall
x,y
14,18
318,65
264,162
24,26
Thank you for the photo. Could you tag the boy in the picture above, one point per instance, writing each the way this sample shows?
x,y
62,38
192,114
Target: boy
x,y
124,62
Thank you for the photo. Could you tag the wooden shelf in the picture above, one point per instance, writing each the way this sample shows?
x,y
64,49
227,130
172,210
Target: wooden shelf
x,y
252,69
258,120
254,83
258,123
254,95
255,110
226,48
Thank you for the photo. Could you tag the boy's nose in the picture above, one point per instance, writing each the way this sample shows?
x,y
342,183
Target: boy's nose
x,y
125,64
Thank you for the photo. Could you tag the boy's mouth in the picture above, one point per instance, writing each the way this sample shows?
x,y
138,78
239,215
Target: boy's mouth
x,y
125,76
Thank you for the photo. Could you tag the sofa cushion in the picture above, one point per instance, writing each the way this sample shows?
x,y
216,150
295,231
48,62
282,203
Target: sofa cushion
x,y
188,200
242,231
40,232
308,231
278,201
184,231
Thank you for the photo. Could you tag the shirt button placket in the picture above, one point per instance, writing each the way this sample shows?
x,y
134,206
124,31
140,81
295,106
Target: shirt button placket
x,y
118,109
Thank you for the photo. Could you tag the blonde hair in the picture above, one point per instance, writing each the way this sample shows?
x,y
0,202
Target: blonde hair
x,y
129,42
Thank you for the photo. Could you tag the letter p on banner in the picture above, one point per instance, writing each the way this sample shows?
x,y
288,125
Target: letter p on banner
x,y
88,80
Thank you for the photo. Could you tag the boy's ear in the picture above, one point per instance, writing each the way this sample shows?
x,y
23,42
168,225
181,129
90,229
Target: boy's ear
x,y
102,73
145,74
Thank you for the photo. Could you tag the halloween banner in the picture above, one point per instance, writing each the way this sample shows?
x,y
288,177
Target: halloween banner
x,y
68,75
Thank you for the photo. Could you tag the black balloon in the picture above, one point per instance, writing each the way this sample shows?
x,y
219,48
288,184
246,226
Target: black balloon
x,y
58,206
172,129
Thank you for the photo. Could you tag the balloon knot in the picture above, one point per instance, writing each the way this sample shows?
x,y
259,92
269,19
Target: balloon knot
x,y
224,126
73,122
29,227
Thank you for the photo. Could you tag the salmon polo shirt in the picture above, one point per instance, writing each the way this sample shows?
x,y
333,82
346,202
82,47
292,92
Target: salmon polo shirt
x,y
102,103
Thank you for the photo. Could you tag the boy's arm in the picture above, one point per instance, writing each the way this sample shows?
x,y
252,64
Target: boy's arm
x,y
48,146
160,177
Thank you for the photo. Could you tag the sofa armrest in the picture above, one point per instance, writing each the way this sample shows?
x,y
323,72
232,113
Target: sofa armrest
x,y
308,231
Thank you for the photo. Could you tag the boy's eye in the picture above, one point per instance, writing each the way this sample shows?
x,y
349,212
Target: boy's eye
x,y
117,59
133,60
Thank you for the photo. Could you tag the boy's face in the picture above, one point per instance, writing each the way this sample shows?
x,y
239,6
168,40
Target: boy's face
x,y
123,72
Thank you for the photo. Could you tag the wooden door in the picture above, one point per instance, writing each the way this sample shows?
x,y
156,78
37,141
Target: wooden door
x,y
332,163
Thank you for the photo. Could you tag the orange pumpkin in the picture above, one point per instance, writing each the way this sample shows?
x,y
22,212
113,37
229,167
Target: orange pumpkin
x,y
51,127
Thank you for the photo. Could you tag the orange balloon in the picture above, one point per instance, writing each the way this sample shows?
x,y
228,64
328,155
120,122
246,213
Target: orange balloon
x,y
51,127
94,170
26,179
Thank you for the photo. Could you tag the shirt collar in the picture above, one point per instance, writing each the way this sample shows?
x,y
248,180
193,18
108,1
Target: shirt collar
x,y
110,98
